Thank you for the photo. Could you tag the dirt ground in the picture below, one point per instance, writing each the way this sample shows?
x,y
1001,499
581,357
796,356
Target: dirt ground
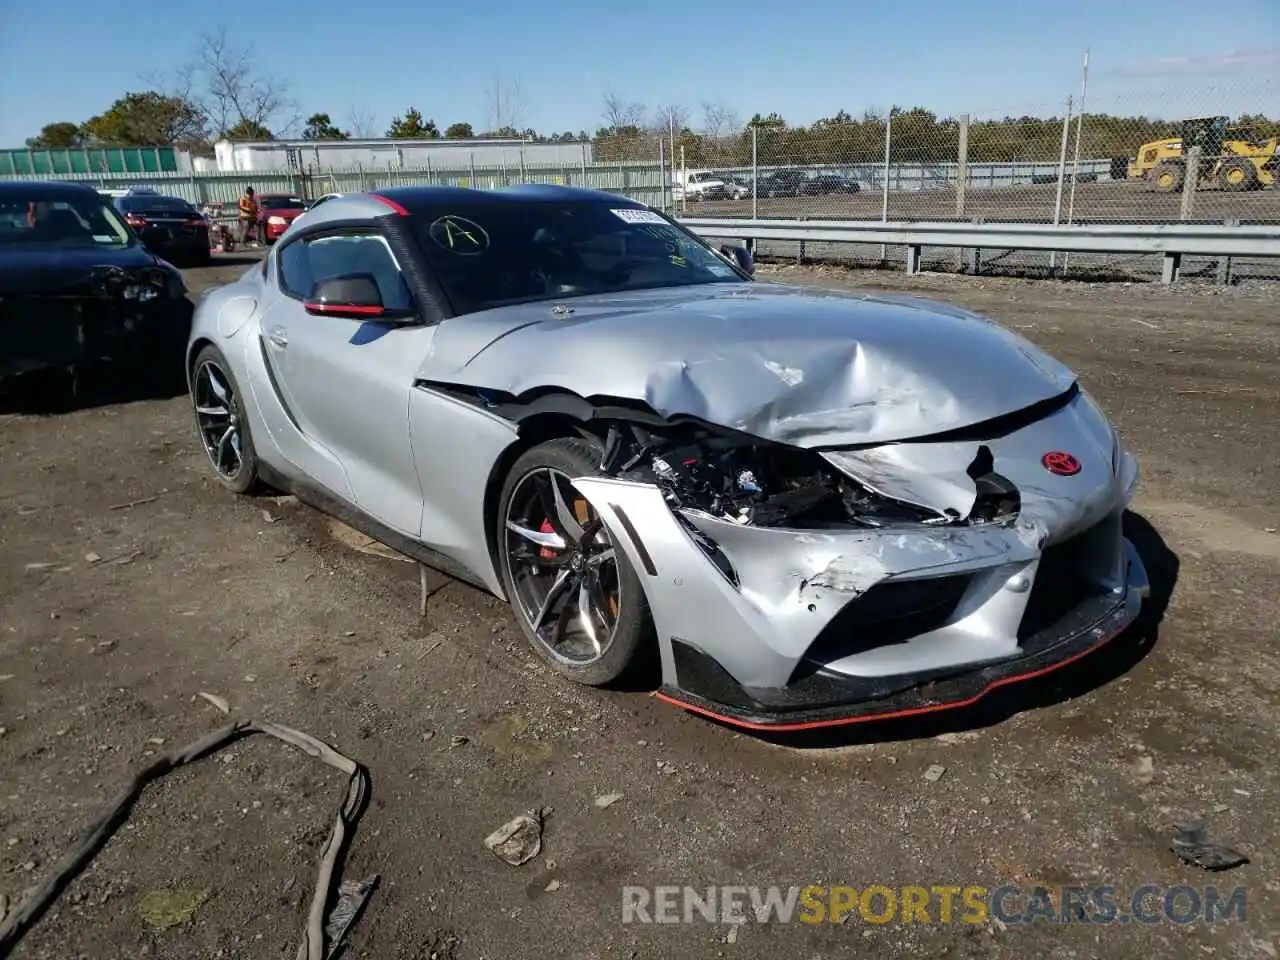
x,y
131,584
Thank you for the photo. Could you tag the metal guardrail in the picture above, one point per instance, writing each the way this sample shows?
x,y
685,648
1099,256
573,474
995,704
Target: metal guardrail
x,y
1172,241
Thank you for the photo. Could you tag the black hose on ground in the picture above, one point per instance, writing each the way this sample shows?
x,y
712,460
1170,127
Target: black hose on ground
x,y
312,947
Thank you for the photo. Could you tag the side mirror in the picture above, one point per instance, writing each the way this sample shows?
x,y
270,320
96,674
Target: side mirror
x,y
354,296
742,257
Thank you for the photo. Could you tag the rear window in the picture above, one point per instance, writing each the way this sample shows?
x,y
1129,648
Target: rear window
x,y
283,203
151,204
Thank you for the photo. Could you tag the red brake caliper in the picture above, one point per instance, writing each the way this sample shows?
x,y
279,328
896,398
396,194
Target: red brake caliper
x,y
547,553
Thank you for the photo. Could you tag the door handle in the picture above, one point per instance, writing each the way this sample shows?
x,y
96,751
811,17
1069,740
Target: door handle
x,y
279,336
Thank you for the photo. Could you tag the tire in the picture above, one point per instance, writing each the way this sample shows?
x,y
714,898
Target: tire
x,y
210,426
1238,176
1168,177
630,644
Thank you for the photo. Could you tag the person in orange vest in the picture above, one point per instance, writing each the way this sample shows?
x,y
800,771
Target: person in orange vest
x,y
248,215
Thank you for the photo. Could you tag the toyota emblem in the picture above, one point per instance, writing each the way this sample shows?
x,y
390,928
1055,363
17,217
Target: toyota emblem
x,y
1060,463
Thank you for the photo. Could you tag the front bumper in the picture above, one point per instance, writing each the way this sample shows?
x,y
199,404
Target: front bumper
x,y
826,699
794,629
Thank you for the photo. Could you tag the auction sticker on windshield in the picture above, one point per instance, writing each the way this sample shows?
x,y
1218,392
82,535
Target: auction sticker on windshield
x,y
639,216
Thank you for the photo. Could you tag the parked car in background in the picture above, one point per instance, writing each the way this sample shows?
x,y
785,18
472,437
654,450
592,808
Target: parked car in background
x,y
829,183
738,188
312,204
276,212
79,293
321,199
699,185
782,183
169,226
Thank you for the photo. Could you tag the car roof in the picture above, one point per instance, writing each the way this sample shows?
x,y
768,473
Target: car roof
x,y
410,200
151,197
48,190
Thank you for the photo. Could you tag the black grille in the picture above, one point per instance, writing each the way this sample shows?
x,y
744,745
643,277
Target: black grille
x,y
889,613
1065,580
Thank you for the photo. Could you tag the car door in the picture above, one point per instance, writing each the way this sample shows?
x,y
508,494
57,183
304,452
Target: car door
x,y
347,382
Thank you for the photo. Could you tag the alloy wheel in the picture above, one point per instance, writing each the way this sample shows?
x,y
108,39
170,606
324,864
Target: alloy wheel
x,y
563,568
218,419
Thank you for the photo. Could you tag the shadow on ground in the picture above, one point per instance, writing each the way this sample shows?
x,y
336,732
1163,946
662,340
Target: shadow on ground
x,y
1098,669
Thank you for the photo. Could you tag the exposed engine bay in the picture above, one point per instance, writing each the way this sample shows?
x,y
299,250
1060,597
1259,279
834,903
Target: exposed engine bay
x,y
750,482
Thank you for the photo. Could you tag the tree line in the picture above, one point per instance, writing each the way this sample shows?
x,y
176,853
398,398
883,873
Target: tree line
x,y
221,93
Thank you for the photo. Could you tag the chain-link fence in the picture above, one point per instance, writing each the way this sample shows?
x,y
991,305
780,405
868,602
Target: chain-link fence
x,y
1127,148
1103,162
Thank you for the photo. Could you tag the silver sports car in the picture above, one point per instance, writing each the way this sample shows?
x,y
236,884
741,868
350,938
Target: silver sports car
x,y
802,507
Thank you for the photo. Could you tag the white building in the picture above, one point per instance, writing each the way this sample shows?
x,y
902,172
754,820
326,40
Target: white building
x,y
266,155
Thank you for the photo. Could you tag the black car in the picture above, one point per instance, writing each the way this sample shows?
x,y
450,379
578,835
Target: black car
x,y
170,226
829,183
79,293
783,183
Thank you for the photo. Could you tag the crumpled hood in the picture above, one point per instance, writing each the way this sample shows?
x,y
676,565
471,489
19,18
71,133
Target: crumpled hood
x,y
795,365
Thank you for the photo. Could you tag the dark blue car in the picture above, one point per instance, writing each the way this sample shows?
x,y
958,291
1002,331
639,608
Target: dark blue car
x,y
80,292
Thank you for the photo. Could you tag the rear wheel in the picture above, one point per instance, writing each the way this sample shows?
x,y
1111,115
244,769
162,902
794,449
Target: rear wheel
x,y
222,423
574,593
1168,177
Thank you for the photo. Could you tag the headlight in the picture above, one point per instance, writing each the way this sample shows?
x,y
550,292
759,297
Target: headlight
x,y
139,291
277,221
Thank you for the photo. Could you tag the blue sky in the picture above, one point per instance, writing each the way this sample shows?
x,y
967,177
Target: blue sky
x,y
69,60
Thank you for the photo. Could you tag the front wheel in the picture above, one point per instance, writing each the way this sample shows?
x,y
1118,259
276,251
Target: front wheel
x,y
1238,175
575,594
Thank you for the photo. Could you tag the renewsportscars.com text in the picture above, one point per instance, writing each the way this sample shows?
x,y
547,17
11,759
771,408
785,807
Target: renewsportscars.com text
x,y
1101,904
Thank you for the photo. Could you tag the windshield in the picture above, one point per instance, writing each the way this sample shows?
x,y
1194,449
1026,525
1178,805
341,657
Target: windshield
x,y
90,222
493,254
146,204
282,203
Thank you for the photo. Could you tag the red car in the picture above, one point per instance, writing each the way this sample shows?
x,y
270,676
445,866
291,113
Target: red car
x,y
276,212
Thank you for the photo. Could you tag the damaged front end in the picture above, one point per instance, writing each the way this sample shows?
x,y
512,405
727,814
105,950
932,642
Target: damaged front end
x,y
68,321
793,587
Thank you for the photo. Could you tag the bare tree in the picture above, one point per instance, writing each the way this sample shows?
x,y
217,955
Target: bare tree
x,y
224,80
361,123
670,119
506,104
619,112
720,120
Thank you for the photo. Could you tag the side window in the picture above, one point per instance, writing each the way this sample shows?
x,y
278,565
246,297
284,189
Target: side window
x,y
304,263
